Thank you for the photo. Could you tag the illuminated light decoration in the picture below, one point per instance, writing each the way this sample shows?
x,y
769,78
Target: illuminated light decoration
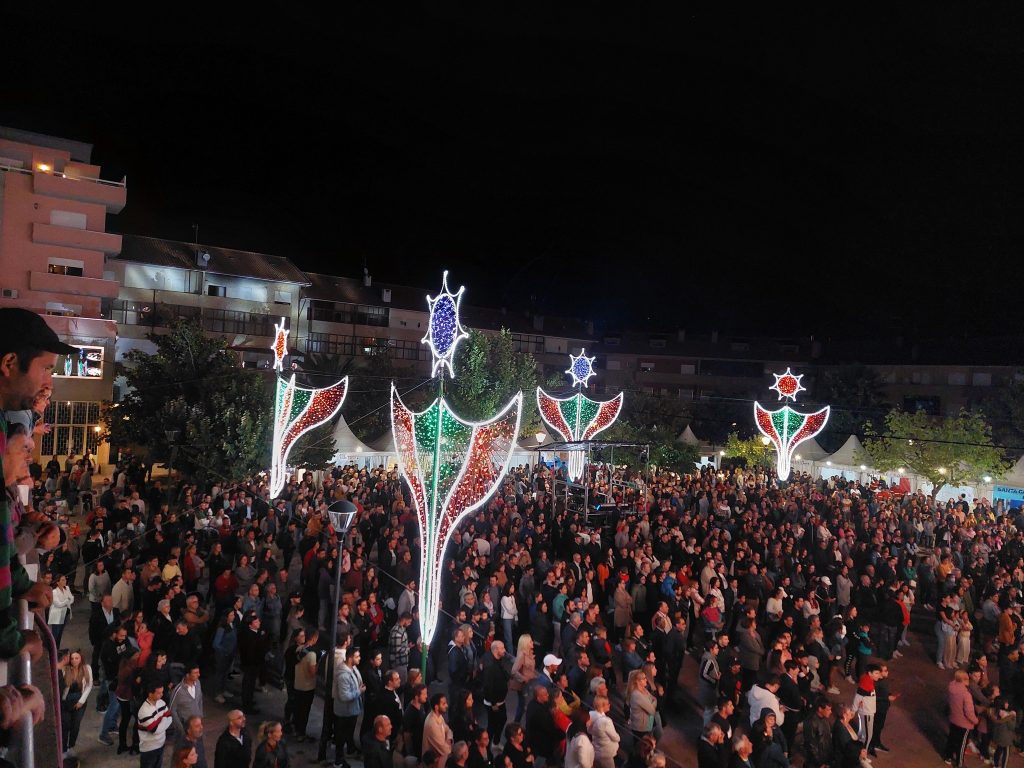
x,y
581,368
280,345
577,418
786,428
296,411
67,365
452,467
444,330
788,385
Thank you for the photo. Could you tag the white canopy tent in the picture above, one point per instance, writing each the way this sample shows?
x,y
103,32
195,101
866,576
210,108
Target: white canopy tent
x,y
811,455
844,462
351,450
1009,488
687,437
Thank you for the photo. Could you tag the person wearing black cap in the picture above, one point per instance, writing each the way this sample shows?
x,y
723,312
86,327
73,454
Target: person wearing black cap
x,y
28,354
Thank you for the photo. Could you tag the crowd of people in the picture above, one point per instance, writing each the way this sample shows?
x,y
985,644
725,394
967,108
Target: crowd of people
x,y
561,641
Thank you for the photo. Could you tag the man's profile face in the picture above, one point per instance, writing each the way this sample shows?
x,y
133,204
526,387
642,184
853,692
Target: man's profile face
x,y
27,386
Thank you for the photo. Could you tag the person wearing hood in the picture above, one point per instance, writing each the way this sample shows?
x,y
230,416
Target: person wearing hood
x,y
770,747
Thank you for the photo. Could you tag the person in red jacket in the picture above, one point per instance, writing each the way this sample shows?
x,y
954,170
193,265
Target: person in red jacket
x,y
962,718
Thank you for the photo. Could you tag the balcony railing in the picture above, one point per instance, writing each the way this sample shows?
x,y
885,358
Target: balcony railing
x,y
226,321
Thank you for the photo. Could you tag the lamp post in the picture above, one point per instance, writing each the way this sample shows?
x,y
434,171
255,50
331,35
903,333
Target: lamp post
x,y
342,513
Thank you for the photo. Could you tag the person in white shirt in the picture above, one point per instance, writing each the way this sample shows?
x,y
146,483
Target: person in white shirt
x,y
154,719
60,608
603,734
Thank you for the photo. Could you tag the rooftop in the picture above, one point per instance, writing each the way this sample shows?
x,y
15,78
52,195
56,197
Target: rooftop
x,y
223,261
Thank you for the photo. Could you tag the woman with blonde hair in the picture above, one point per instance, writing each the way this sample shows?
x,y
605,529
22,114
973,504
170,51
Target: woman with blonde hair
x,y
271,752
75,685
603,733
643,707
524,670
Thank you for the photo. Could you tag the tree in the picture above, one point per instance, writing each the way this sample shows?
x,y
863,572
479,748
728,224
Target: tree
x,y
854,393
657,421
752,449
957,449
218,413
489,371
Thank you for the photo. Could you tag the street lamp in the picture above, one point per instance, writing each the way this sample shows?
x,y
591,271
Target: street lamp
x,y
342,513
540,437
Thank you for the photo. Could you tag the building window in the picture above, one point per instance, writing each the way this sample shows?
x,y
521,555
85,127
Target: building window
x,y
76,428
70,267
217,290
957,379
614,365
687,369
356,314
282,297
525,342
646,367
657,343
87,364
981,379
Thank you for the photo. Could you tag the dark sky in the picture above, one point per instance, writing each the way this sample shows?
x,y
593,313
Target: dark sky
x,y
816,174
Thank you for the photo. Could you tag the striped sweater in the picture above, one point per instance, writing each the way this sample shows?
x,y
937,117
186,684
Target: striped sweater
x,y
14,581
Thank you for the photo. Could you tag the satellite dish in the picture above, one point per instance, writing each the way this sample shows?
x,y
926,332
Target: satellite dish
x,y
203,258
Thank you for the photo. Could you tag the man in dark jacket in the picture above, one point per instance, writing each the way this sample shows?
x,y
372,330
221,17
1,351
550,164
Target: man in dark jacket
x,y
234,747
253,644
542,735
377,751
818,736
495,689
711,751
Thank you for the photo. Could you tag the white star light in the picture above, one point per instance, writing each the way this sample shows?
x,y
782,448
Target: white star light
x,y
444,330
581,368
788,385
280,345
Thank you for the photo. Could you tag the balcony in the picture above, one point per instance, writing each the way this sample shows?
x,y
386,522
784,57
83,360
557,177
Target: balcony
x,y
50,234
70,284
111,194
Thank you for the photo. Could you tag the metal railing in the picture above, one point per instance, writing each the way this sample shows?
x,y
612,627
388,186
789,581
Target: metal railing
x,y
18,671
92,179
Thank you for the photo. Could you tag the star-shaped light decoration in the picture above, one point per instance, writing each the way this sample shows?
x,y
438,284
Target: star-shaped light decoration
x,y
444,331
581,368
280,345
788,385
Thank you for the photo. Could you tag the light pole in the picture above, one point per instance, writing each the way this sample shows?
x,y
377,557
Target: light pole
x,y
342,513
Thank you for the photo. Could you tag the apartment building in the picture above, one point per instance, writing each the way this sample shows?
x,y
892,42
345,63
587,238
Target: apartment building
x,y
53,248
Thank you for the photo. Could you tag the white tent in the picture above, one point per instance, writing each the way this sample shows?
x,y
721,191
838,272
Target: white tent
x,y
688,437
844,461
811,455
348,449
809,450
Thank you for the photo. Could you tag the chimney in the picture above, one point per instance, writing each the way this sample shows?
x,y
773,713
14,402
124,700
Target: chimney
x,y
367,278
681,335
538,322
714,337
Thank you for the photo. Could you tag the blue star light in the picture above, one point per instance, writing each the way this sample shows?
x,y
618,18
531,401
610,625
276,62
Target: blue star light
x,y
444,331
581,368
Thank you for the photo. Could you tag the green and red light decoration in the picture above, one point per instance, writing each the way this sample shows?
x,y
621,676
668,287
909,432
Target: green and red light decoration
x,y
297,410
577,418
787,428
452,465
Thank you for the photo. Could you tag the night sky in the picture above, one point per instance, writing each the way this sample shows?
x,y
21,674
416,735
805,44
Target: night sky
x,y
821,175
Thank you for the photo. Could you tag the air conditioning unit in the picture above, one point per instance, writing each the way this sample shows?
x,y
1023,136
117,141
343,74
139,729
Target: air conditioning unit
x,y
9,293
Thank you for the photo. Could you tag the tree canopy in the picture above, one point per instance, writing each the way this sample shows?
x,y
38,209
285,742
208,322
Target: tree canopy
x,y
194,395
489,371
955,450
751,449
